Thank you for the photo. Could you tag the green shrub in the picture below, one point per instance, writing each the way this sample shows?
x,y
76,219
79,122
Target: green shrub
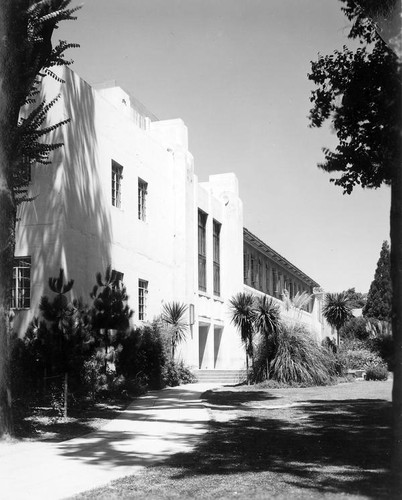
x,y
142,354
176,373
356,328
359,359
299,359
376,372
383,345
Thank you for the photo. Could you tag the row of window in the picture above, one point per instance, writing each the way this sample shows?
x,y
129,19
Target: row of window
x,y
117,177
21,287
202,254
264,276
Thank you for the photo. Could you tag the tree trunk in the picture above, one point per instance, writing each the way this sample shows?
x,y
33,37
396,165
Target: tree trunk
x,y
248,376
65,394
9,109
6,266
396,275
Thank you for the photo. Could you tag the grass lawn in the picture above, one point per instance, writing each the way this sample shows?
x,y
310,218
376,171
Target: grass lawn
x,y
321,442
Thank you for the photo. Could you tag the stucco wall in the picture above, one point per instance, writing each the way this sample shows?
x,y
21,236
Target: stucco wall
x,y
71,223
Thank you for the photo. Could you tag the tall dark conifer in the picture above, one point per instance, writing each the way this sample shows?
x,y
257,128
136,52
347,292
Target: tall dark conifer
x,y
379,299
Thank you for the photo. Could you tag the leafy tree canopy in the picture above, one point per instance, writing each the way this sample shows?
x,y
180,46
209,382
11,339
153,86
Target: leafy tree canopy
x,y
357,300
360,93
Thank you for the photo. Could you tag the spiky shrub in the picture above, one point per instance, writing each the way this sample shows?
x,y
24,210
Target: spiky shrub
x,y
300,359
173,318
337,310
242,308
266,322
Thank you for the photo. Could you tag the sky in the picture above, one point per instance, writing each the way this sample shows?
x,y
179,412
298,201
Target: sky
x,y
236,72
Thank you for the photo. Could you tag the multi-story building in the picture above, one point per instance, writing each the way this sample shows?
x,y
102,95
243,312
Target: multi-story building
x,y
122,192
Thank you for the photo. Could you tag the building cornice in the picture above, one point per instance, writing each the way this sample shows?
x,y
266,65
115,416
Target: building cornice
x,y
259,245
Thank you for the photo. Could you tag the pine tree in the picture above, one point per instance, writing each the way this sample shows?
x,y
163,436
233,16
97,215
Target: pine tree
x,y
379,299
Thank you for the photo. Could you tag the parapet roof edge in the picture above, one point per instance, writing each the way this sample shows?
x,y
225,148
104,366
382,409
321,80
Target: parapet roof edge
x,y
254,240
135,103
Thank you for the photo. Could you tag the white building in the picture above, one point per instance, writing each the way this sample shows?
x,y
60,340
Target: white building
x,y
123,191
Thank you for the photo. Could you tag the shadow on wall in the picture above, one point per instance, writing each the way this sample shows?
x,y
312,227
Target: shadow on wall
x,y
68,223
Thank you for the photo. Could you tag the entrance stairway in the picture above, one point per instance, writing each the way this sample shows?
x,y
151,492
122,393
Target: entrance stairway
x,y
224,377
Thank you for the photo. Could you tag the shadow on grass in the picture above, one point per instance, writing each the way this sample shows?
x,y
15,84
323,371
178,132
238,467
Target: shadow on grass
x,y
230,398
45,423
326,447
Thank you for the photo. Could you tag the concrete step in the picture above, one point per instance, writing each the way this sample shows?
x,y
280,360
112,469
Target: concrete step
x,y
225,377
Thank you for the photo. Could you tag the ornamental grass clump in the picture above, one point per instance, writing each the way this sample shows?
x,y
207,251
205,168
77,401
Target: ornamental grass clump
x,y
299,359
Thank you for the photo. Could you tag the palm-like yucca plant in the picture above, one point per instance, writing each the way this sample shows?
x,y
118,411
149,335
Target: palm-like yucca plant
x,y
173,315
242,307
266,321
299,359
295,304
337,311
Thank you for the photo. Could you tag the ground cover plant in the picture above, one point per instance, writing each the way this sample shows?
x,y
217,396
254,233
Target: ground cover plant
x,y
310,443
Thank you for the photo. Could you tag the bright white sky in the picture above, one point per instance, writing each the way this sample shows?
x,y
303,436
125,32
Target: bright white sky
x,y
236,72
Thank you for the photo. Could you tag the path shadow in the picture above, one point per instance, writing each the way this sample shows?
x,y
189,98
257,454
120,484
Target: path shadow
x,y
145,433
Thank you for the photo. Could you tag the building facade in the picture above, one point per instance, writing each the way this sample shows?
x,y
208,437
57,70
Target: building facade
x,y
122,191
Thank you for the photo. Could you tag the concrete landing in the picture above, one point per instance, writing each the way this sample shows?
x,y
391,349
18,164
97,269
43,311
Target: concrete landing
x,y
151,429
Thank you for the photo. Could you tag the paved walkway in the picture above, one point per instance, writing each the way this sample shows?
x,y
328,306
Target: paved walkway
x,y
152,428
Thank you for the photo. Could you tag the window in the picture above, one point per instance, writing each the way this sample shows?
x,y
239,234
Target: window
x,y
117,176
21,290
275,282
117,278
142,299
142,199
217,258
202,251
253,272
267,280
246,267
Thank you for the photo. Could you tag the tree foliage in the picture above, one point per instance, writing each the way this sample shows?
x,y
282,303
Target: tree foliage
x,y
26,55
337,310
242,307
357,300
379,299
38,21
110,308
359,91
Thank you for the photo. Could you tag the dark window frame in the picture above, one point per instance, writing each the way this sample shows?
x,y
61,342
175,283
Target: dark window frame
x,y
202,250
142,299
142,199
117,176
21,284
217,257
